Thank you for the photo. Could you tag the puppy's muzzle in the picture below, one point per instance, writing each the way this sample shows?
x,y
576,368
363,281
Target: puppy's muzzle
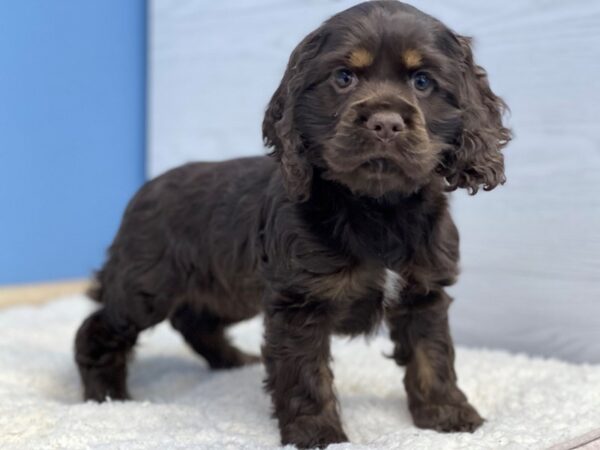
x,y
385,125
386,119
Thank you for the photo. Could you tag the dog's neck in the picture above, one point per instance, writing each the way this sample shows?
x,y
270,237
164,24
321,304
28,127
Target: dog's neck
x,y
375,228
330,196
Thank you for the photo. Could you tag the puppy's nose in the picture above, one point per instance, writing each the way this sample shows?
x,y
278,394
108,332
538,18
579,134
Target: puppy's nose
x,y
385,124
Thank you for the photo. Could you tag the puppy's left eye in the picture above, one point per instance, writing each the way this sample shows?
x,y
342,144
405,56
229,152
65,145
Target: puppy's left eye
x,y
421,81
344,78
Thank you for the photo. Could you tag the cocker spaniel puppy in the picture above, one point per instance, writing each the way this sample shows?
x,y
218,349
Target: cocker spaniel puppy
x,y
381,111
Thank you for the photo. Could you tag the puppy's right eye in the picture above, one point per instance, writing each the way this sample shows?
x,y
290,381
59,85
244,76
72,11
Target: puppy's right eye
x,y
344,78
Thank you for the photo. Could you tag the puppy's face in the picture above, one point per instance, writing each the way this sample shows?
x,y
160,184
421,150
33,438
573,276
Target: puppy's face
x,y
383,98
381,107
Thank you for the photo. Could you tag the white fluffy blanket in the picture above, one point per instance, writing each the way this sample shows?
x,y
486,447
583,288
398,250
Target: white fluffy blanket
x,y
528,403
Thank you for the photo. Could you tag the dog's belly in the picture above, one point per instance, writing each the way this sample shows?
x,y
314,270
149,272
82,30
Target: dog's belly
x,y
236,301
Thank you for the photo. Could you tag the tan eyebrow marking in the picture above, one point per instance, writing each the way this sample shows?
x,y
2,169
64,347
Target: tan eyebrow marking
x,y
412,58
360,58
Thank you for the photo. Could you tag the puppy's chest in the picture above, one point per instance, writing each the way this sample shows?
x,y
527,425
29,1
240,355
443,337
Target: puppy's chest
x,y
393,284
375,251
378,269
357,295
358,282
388,245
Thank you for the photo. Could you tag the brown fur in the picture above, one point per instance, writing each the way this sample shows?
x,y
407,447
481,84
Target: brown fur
x,y
360,58
412,59
309,235
347,284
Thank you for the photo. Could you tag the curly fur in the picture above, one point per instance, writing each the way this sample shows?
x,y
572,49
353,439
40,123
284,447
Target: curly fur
x,y
477,159
335,232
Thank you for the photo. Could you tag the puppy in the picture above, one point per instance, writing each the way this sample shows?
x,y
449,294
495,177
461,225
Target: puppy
x,y
381,111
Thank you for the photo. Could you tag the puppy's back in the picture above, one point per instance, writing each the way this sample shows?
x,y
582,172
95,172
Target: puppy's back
x,y
193,228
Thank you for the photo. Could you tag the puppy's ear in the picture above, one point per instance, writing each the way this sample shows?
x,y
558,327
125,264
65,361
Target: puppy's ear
x,y
279,127
477,159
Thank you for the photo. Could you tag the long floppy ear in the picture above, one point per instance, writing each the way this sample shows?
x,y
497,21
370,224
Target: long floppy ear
x,y
279,127
477,159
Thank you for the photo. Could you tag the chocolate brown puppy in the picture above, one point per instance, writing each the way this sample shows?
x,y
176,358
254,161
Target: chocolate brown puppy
x,y
380,113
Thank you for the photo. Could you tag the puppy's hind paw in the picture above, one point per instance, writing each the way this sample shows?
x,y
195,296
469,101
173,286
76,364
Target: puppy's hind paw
x,y
232,359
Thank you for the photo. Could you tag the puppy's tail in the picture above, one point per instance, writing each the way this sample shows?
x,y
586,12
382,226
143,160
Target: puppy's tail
x,y
96,290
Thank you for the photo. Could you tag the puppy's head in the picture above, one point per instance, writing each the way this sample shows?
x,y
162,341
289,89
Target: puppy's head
x,y
384,98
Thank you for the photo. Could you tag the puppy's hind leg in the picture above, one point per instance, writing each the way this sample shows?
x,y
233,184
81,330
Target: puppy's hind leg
x,y
106,338
204,331
102,346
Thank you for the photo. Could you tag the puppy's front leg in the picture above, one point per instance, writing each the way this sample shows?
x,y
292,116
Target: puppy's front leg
x,y
296,354
419,329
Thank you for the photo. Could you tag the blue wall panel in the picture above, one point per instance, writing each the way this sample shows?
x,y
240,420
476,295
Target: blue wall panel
x,y
72,131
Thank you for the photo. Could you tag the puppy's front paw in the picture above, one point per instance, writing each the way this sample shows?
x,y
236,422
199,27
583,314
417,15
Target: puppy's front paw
x,y
312,432
447,418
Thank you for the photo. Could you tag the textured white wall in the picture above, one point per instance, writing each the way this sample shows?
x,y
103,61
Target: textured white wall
x,y
531,249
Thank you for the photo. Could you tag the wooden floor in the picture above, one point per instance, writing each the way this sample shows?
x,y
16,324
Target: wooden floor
x,y
40,292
